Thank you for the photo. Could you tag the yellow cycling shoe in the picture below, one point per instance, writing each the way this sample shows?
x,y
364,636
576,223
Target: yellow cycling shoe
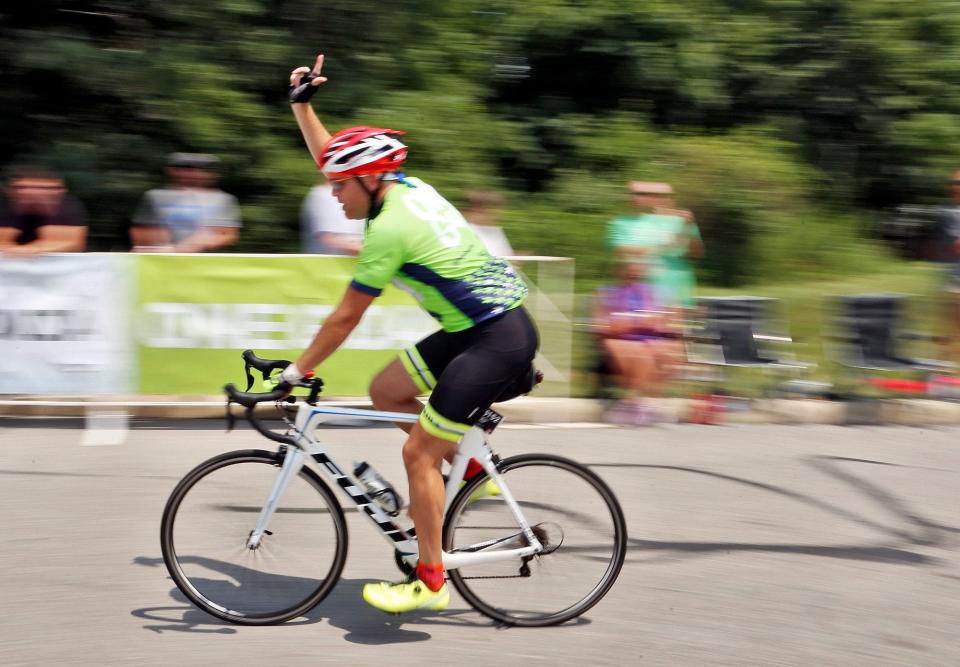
x,y
405,596
486,490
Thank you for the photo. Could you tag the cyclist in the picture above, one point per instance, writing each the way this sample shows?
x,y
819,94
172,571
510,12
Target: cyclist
x,y
416,238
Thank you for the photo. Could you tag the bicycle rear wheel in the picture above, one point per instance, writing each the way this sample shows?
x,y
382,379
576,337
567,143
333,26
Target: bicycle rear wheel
x,y
209,517
571,509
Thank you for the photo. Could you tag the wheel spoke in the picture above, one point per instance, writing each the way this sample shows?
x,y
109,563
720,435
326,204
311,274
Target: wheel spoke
x,y
205,535
574,515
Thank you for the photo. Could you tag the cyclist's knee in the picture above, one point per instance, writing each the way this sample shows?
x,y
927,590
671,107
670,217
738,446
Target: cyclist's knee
x,y
414,455
423,449
392,387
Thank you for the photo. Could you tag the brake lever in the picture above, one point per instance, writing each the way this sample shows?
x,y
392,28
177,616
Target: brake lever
x,y
231,420
246,369
275,366
315,384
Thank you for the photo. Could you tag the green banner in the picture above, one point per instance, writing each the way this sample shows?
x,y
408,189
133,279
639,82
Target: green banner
x,y
194,315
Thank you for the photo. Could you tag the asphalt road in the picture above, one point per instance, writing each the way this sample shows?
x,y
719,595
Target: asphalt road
x,y
749,545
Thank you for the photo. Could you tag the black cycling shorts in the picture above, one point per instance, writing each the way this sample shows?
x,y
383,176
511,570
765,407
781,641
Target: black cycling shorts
x,y
466,371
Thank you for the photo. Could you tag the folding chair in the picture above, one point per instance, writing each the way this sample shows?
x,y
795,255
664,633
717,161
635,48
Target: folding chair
x,y
741,332
870,336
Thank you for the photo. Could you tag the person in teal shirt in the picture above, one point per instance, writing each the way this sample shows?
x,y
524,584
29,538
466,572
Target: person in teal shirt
x,y
662,237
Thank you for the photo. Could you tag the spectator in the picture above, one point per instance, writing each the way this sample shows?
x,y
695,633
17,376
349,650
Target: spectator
x,y
40,216
638,338
324,228
950,216
191,215
661,235
481,213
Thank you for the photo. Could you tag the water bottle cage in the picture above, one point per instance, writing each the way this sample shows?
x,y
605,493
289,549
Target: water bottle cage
x,y
391,499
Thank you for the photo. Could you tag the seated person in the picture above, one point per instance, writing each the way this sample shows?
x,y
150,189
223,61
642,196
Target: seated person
x,y
639,340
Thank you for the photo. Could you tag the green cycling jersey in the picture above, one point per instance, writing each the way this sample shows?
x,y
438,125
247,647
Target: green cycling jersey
x,y
420,241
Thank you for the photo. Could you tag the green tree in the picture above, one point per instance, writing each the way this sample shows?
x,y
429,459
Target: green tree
x,y
762,112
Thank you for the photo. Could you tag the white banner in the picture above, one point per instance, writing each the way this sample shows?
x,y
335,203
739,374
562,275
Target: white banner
x,y
63,325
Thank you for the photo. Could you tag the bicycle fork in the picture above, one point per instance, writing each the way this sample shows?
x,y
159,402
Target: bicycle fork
x,y
292,462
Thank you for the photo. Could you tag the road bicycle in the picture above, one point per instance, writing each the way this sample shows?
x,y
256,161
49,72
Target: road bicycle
x,y
257,537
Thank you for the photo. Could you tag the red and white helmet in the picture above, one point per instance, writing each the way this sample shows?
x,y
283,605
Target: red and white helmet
x,y
358,151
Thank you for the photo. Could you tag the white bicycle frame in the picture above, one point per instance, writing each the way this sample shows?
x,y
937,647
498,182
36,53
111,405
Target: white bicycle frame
x,y
472,445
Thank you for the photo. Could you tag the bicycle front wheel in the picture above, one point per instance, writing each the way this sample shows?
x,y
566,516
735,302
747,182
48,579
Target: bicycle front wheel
x,y
209,518
573,513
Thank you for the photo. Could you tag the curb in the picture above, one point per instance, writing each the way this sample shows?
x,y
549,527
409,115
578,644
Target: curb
x,y
531,410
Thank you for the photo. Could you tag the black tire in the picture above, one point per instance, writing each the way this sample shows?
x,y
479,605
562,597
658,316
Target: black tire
x,y
577,514
208,518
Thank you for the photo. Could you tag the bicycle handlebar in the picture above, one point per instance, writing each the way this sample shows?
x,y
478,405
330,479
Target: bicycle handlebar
x,y
249,399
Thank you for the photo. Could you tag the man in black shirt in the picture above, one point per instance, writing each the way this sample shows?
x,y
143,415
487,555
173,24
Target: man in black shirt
x,y
40,216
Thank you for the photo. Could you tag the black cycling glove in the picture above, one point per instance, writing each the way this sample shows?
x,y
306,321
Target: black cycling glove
x,y
301,94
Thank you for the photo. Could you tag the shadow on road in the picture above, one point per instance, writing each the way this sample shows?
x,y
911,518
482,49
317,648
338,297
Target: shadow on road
x,y
343,608
880,554
910,529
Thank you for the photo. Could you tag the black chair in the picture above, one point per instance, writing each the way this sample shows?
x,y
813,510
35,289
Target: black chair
x,y
741,332
870,335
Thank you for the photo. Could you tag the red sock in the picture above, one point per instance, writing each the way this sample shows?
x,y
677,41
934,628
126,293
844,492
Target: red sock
x,y
473,469
431,574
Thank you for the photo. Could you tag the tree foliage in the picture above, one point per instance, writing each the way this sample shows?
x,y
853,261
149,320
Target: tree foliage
x,y
784,124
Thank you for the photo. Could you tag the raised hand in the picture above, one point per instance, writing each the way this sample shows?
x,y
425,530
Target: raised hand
x,y
305,81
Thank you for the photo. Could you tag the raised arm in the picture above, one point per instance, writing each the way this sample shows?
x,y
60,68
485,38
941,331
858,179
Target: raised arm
x,y
303,84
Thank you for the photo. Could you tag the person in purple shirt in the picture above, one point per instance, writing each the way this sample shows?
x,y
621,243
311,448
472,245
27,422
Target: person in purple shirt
x,y
639,341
